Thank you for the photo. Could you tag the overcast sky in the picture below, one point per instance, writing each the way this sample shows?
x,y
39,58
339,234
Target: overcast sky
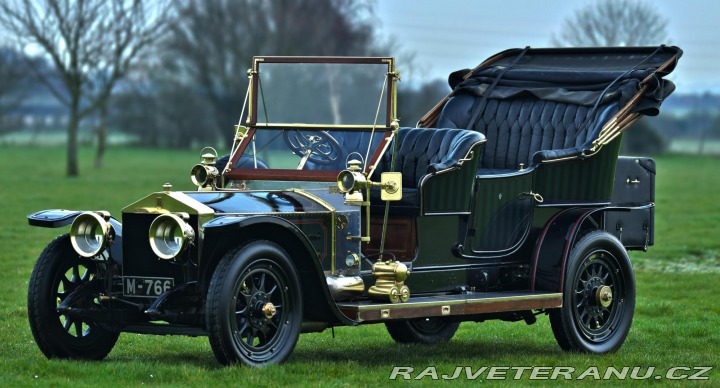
x,y
448,35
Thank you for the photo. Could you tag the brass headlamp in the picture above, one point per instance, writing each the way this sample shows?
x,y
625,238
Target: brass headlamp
x,y
170,235
90,232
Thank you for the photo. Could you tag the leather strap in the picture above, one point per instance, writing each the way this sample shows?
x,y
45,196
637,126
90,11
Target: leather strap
x,y
483,101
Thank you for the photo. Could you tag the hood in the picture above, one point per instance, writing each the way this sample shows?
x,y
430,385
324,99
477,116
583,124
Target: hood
x,y
254,202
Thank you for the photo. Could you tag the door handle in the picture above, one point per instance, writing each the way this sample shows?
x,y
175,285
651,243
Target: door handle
x,y
537,197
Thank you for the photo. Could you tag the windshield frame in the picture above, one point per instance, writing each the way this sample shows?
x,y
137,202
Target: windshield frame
x,y
386,127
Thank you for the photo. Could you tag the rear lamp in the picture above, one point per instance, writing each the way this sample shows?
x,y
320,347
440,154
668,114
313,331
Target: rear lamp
x,y
170,235
89,233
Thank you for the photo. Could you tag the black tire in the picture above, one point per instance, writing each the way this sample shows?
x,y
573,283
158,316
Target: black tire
x,y
245,281
58,271
422,331
583,324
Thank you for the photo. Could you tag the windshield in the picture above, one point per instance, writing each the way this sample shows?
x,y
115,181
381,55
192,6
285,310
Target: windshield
x,y
322,93
310,115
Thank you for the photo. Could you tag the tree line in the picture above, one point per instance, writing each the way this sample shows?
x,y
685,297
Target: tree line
x,y
173,73
174,69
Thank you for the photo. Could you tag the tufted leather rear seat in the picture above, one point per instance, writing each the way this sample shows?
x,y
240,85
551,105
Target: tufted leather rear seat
x,y
422,151
527,129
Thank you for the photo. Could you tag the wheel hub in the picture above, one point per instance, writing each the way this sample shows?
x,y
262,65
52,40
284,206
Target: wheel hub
x,y
261,309
268,310
604,296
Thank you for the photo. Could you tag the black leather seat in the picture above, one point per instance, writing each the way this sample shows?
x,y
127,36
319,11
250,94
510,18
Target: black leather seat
x,y
421,151
527,129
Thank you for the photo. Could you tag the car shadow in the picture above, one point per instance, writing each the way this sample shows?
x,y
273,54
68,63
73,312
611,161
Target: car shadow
x,y
409,354
352,351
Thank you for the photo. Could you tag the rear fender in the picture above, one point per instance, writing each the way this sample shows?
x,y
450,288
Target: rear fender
x,y
225,233
557,239
553,247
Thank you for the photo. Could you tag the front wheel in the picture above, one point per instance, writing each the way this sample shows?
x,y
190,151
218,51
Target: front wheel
x,y
254,306
423,331
58,272
598,296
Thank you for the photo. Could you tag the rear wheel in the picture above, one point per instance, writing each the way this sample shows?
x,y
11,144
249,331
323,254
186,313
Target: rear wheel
x,y
58,272
598,296
254,306
424,330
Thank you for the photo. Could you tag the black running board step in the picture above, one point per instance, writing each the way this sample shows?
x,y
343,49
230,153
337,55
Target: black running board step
x,y
164,329
450,305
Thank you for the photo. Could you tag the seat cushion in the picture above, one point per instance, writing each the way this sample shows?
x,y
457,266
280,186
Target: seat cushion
x,y
518,128
427,150
421,151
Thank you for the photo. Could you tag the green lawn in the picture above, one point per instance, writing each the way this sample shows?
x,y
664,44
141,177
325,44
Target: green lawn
x,y
675,323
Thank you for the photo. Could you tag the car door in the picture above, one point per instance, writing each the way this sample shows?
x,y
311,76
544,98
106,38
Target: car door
x,y
501,213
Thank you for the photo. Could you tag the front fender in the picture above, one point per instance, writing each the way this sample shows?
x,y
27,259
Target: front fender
x,y
53,218
226,232
56,218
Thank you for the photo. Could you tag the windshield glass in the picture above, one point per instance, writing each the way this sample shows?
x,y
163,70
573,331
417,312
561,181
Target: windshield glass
x,y
308,116
307,149
322,93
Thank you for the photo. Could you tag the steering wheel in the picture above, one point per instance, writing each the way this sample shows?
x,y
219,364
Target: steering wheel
x,y
318,147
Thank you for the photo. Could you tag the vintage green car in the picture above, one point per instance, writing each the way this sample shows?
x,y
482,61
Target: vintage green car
x,y
506,202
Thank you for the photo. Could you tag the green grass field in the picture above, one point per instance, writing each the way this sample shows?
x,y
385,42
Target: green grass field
x,y
675,323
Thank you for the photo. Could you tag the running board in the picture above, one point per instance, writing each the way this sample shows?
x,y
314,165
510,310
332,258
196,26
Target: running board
x,y
450,305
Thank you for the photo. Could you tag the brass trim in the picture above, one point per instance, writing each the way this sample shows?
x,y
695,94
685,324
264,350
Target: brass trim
x,y
411,310
158,203
269,310
604,296
250,92
250,214
337,59
389,282
186,204
312,197
445,302
576,157
322,126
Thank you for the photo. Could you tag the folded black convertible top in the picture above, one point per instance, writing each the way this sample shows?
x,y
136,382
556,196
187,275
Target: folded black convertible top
x,y
584,76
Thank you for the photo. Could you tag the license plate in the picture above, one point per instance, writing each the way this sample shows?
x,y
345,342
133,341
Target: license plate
x,y
146,287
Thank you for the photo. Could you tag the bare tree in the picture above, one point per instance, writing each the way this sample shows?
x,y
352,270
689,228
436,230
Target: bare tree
x,y
13,78
213,42
91,43
620,23
614,23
